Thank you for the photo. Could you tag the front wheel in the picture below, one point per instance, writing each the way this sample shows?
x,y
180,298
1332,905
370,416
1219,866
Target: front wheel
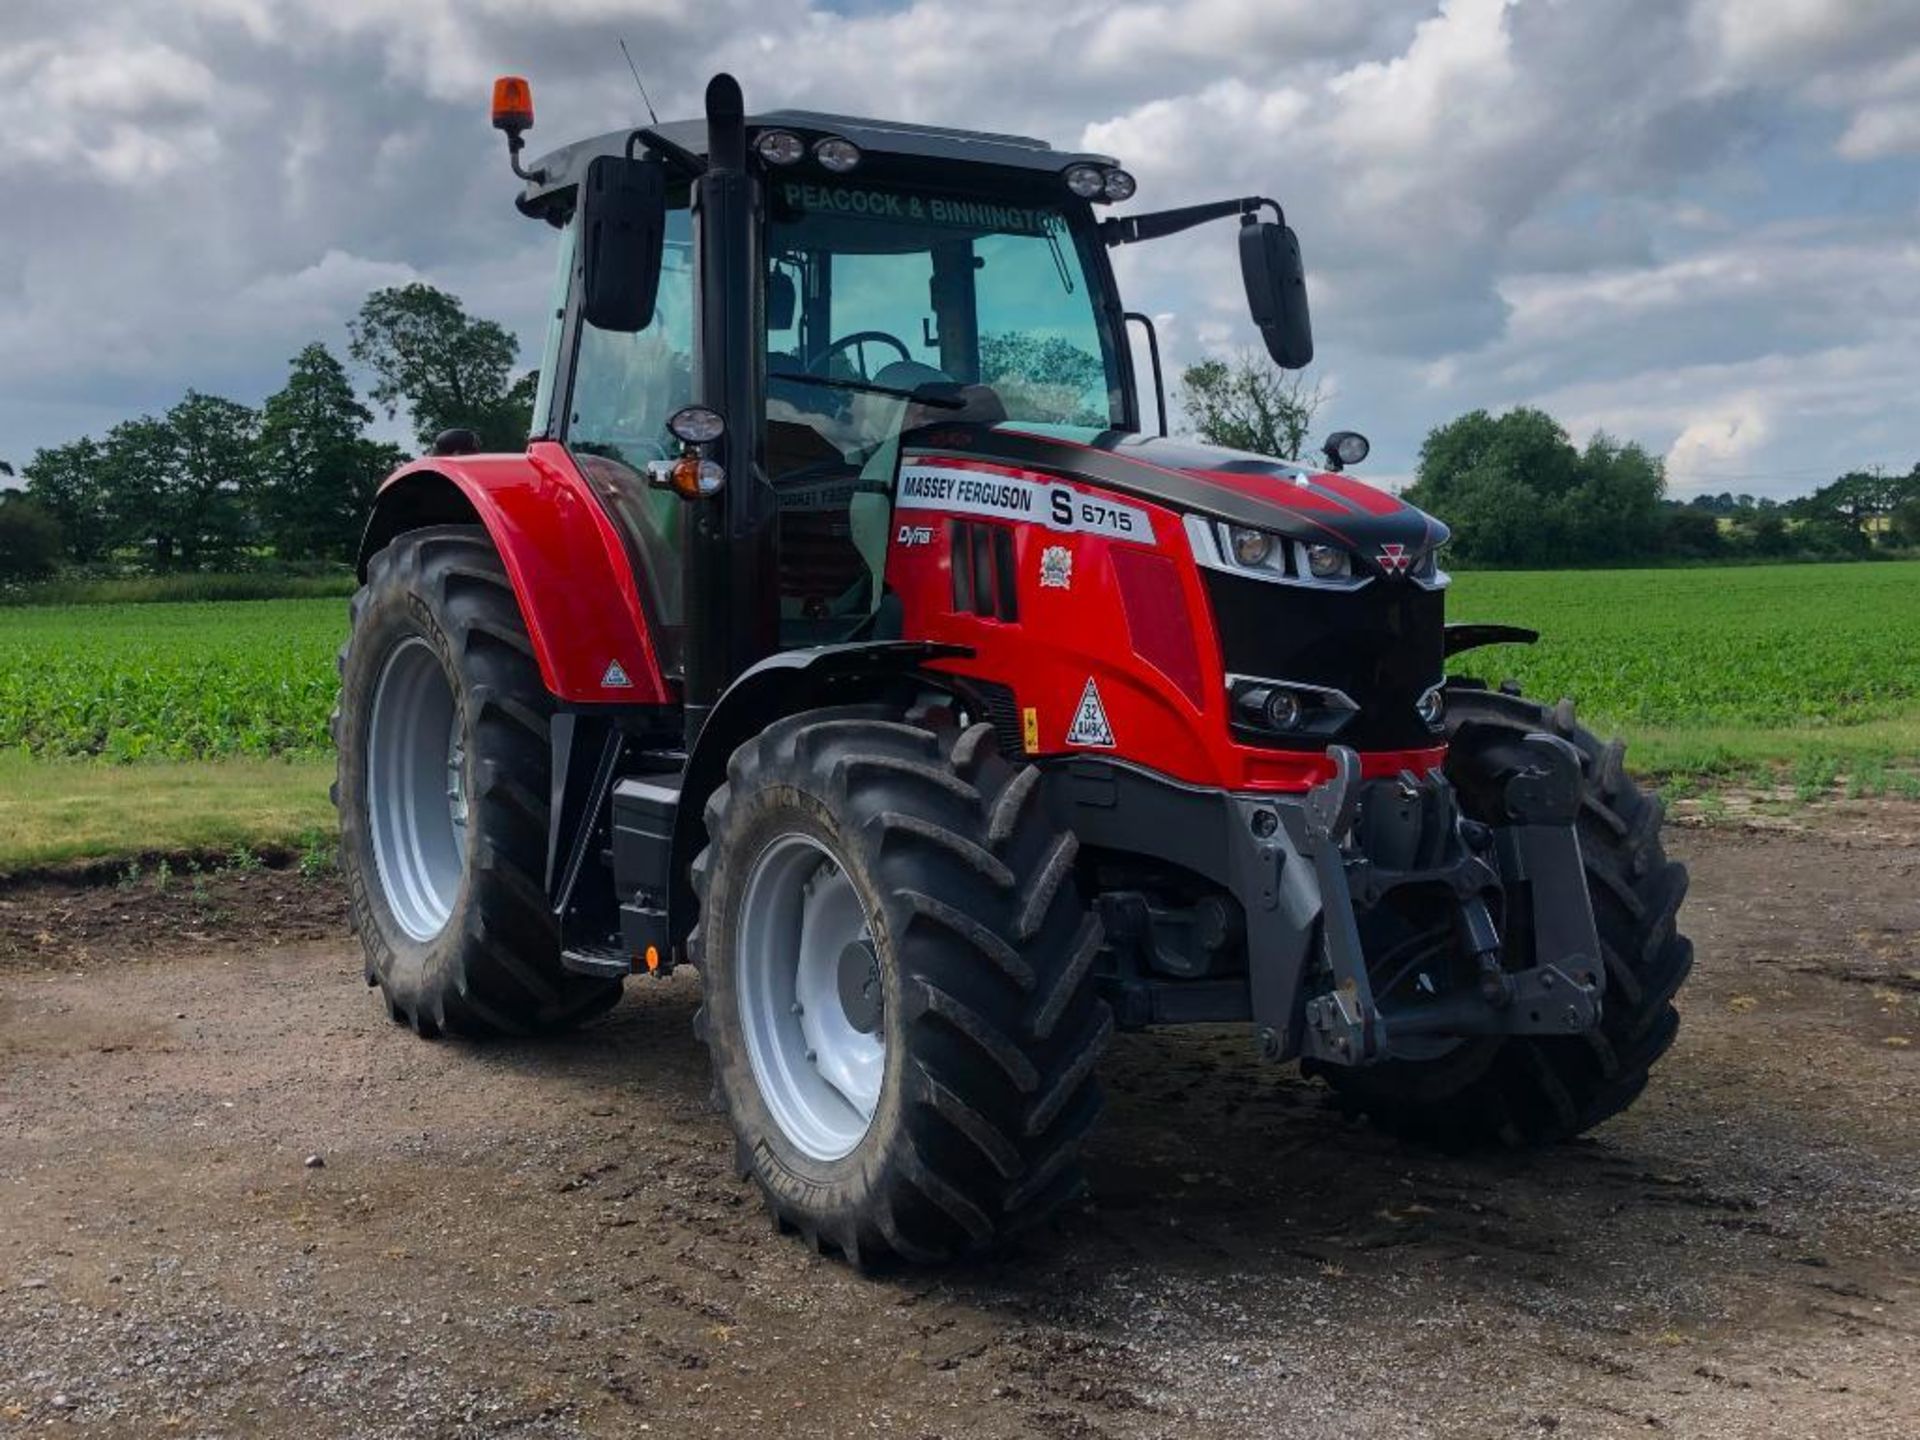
x,y
1534,1090
444,765
898,992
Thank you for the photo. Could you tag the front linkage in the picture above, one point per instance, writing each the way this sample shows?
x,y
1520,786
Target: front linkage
x,y
1348,845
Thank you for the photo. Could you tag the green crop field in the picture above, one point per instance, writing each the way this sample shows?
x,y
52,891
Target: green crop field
x,y
1813,646
1806,648
1707,672
169,681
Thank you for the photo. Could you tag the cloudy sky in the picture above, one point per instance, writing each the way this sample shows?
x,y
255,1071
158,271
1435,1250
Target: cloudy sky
x,y
1694,223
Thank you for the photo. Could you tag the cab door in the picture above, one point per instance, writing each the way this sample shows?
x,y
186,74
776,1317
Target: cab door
x,y
608,402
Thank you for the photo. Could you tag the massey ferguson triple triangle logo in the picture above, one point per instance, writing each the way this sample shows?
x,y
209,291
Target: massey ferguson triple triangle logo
x,y
1395,559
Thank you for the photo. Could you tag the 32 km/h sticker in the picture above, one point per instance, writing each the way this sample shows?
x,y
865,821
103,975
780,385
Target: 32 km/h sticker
x,y
1009,497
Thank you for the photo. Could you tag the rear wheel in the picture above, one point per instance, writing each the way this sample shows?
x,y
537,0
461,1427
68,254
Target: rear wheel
x,y
444,765
897,975
1532,1090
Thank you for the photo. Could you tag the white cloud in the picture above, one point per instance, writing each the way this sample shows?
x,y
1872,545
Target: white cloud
x,y
1605,209
1860,58
1882,130
129,111
332,285
1720,442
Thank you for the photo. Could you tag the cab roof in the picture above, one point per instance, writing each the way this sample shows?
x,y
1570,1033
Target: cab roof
x,y
894,139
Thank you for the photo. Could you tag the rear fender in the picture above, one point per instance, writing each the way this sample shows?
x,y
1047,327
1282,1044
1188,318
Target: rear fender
x,y
781,684
569,570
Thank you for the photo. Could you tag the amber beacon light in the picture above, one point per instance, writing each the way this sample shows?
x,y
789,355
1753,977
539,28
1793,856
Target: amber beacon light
x,y
512,104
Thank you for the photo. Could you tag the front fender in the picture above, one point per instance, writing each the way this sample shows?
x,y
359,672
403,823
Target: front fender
x,y
570,571
781,684
1463,637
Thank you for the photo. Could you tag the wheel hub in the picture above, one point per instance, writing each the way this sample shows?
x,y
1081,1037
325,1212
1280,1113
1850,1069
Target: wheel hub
x,y
417,789
859,978
810,995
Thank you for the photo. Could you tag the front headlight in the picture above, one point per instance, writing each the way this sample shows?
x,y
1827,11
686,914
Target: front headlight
x,y
1250,547
1324,562
1263,555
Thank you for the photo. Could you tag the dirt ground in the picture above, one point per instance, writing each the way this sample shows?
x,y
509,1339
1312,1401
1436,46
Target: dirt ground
x,y
546,1239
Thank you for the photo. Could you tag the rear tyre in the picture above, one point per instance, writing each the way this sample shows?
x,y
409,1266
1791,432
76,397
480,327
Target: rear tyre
x,y
1536,1090
444,766
897,970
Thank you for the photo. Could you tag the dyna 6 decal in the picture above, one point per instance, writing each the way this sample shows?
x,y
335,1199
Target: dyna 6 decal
x,y
1001,496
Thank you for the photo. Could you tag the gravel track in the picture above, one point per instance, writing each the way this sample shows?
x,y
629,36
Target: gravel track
x,y
545,1239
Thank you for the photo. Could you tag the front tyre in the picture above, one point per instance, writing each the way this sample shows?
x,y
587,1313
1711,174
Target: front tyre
x,y
444,765
898,991
1538,1089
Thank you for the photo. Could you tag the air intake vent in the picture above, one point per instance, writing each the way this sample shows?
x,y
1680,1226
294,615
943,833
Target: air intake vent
x,y
983,571
999,709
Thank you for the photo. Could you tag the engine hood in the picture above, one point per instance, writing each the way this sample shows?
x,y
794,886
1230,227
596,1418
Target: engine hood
x,y
1387,534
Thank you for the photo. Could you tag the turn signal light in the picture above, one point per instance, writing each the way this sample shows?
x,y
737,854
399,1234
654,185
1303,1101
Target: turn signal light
x,y
512,104
694,479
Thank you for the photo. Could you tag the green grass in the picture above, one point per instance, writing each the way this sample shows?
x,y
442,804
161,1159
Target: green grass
x,y
63,812
156,589
1778,648
169,681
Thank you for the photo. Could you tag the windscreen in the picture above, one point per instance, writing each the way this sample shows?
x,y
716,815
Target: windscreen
x,y
909,288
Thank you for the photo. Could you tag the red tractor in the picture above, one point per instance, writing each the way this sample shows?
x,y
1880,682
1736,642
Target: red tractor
x,y
842,633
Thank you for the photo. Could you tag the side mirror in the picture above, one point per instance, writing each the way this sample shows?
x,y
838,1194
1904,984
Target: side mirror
x,y
623,228
457,441
1277,292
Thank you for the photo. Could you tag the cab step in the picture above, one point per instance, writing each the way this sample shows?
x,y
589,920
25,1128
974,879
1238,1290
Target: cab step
x,y
608,964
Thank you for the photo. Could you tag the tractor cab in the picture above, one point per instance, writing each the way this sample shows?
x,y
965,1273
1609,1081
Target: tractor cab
x,y
882,279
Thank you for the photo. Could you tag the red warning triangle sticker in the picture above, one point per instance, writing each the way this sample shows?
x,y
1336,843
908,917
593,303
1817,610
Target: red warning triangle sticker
x,y
1090,720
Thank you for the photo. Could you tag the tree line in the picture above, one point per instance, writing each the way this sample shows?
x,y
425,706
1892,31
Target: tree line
x,y
1518,492
212,483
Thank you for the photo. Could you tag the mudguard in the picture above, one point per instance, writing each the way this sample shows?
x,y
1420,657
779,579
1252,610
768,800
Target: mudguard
x,y
570,570
779,685
1463,637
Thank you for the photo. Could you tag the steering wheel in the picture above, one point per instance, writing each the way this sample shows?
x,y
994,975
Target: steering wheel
x,y
816,364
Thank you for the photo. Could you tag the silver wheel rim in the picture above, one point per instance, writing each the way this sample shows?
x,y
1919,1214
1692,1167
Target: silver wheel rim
x,y
417,789
810,1002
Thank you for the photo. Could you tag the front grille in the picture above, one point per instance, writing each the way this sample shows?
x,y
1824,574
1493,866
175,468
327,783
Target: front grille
x,y
1382,646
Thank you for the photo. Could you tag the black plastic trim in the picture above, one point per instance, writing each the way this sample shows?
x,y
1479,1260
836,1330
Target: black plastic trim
x,y
1464,637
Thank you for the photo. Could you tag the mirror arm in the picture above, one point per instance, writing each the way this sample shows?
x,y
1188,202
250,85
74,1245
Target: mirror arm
x,y
1129,229
515,143
682,159
1145,322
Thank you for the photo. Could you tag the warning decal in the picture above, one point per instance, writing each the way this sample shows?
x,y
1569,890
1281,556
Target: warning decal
x,y
1010,497
615,676
1090,720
